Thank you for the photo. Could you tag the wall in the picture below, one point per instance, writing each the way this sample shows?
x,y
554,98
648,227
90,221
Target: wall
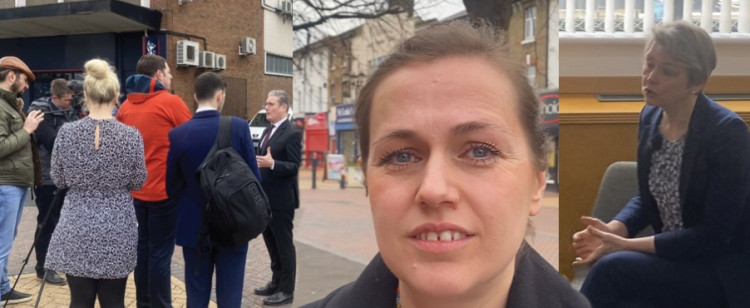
x,y
239,18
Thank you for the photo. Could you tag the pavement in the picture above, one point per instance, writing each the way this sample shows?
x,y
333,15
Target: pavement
x,y
334,238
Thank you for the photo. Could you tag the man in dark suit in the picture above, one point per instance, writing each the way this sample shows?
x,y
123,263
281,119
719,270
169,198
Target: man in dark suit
x,y
189,144
280,154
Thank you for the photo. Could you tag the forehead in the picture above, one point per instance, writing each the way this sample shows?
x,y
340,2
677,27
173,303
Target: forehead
x,y
272,99
443,91
656,52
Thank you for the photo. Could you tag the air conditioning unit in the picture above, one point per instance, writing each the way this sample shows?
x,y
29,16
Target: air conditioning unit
x,y
247,46
286,7
221,62
188,53
208,59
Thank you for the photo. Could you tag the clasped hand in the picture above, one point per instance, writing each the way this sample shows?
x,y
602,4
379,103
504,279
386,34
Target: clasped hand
x,y
595,241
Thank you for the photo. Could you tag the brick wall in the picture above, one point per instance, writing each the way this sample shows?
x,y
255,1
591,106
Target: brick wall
x,y
223,23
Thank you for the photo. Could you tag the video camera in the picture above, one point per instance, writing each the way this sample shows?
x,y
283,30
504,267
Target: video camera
x,y
77,102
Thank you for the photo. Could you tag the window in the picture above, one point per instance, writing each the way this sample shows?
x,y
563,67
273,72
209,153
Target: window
x,y
530,24
278,65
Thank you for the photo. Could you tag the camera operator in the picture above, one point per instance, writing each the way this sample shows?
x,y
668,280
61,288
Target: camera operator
x,y
57,111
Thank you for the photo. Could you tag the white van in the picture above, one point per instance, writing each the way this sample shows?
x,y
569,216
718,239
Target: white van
x,y
259,123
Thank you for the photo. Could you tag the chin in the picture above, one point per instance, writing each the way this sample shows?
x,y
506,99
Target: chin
x,y
440,279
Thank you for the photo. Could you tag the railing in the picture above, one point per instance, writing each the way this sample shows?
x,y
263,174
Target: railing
x,y
613,17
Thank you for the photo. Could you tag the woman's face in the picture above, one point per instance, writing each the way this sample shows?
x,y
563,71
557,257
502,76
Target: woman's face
x,y
664,80
450,175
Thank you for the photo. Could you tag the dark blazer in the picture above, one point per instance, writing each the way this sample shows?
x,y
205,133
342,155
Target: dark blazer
x,y
714,193
189,144
535,285
280,184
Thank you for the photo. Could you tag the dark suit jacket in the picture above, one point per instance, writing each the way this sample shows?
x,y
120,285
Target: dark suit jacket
x,y
189,144
714,194
535,285
280,184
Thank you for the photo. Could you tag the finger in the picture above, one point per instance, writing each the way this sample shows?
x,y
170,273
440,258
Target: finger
x,y
594,222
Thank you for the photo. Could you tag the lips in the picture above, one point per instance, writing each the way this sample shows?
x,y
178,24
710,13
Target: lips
x,y
648,92
439,238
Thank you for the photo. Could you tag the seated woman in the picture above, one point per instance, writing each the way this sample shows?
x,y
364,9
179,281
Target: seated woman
x,y
454,159
694,190
99,160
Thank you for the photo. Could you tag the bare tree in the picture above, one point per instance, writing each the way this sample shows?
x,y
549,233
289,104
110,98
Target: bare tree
x,y
496,12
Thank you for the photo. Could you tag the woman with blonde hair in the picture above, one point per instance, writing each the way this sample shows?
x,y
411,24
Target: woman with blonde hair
x,y
99,161
693,189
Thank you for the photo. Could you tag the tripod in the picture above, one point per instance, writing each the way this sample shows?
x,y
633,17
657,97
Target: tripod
x,y
57,201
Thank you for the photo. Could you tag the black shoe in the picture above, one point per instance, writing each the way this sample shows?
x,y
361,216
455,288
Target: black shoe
x,y
269,289
15,297
52,278
279,298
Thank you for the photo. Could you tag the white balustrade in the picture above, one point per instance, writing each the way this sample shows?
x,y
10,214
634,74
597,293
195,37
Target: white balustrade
x,y
639,16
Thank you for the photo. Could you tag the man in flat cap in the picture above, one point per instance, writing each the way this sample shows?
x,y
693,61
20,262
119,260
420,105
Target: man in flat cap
x,y
17,172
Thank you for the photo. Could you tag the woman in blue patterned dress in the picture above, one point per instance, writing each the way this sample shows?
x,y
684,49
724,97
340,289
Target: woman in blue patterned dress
x,y
99,160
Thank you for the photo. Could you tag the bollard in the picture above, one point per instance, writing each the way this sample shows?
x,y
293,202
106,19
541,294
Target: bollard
x,y
342,183
315,169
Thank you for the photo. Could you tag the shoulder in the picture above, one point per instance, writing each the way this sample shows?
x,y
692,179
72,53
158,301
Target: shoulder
x,y
170,99
532,274
375,287
40,104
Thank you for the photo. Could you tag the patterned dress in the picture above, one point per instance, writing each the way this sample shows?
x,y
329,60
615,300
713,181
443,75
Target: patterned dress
x,y
97,234
664,182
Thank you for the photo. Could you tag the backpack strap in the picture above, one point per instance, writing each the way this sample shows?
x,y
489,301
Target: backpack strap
x,y
224,136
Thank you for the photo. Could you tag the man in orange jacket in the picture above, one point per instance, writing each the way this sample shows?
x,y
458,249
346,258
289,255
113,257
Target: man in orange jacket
x,y
154,111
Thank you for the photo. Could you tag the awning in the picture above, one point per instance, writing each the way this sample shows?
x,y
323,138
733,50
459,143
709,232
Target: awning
x,y
83,17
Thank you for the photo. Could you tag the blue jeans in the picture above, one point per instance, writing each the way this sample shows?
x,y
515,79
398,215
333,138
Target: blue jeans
x,y
156,233
11,206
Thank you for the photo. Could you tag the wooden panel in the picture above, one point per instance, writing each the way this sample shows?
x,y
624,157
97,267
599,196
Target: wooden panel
x,y
236,101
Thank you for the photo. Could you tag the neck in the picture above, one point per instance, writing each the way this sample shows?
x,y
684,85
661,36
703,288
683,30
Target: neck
x,y
101,111
5,85
208,105
676,118
490,294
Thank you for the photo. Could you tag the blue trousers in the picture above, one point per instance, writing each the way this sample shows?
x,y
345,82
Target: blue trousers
x,y
634,279
230,274
11,207
156,233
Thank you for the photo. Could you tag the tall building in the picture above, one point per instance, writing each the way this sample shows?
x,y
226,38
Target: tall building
x,y
247,42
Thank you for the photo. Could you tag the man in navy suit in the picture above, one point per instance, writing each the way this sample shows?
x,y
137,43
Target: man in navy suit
x,y
189,144
280,154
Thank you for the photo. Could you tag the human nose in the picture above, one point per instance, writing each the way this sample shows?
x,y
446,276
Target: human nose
x,y
651,76
438,186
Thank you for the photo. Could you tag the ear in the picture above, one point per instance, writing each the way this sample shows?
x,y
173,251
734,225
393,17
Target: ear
x,y
540,183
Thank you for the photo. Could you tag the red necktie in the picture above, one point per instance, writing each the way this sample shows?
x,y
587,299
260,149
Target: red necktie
x,y
268,136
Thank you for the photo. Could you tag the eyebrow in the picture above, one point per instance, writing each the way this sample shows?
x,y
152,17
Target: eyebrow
x,y
463,128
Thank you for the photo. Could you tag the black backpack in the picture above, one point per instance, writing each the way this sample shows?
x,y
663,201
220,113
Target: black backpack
x,y
237,209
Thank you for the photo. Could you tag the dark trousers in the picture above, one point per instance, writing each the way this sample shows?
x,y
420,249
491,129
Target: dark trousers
x,y
278,239
156,233
634,279
229,264
44,196
84,291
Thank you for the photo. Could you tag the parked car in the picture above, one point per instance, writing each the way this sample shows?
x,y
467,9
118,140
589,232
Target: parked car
x,y
259,123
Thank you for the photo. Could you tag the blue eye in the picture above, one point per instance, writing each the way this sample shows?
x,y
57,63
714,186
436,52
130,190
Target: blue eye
x,y
480,152
403,157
